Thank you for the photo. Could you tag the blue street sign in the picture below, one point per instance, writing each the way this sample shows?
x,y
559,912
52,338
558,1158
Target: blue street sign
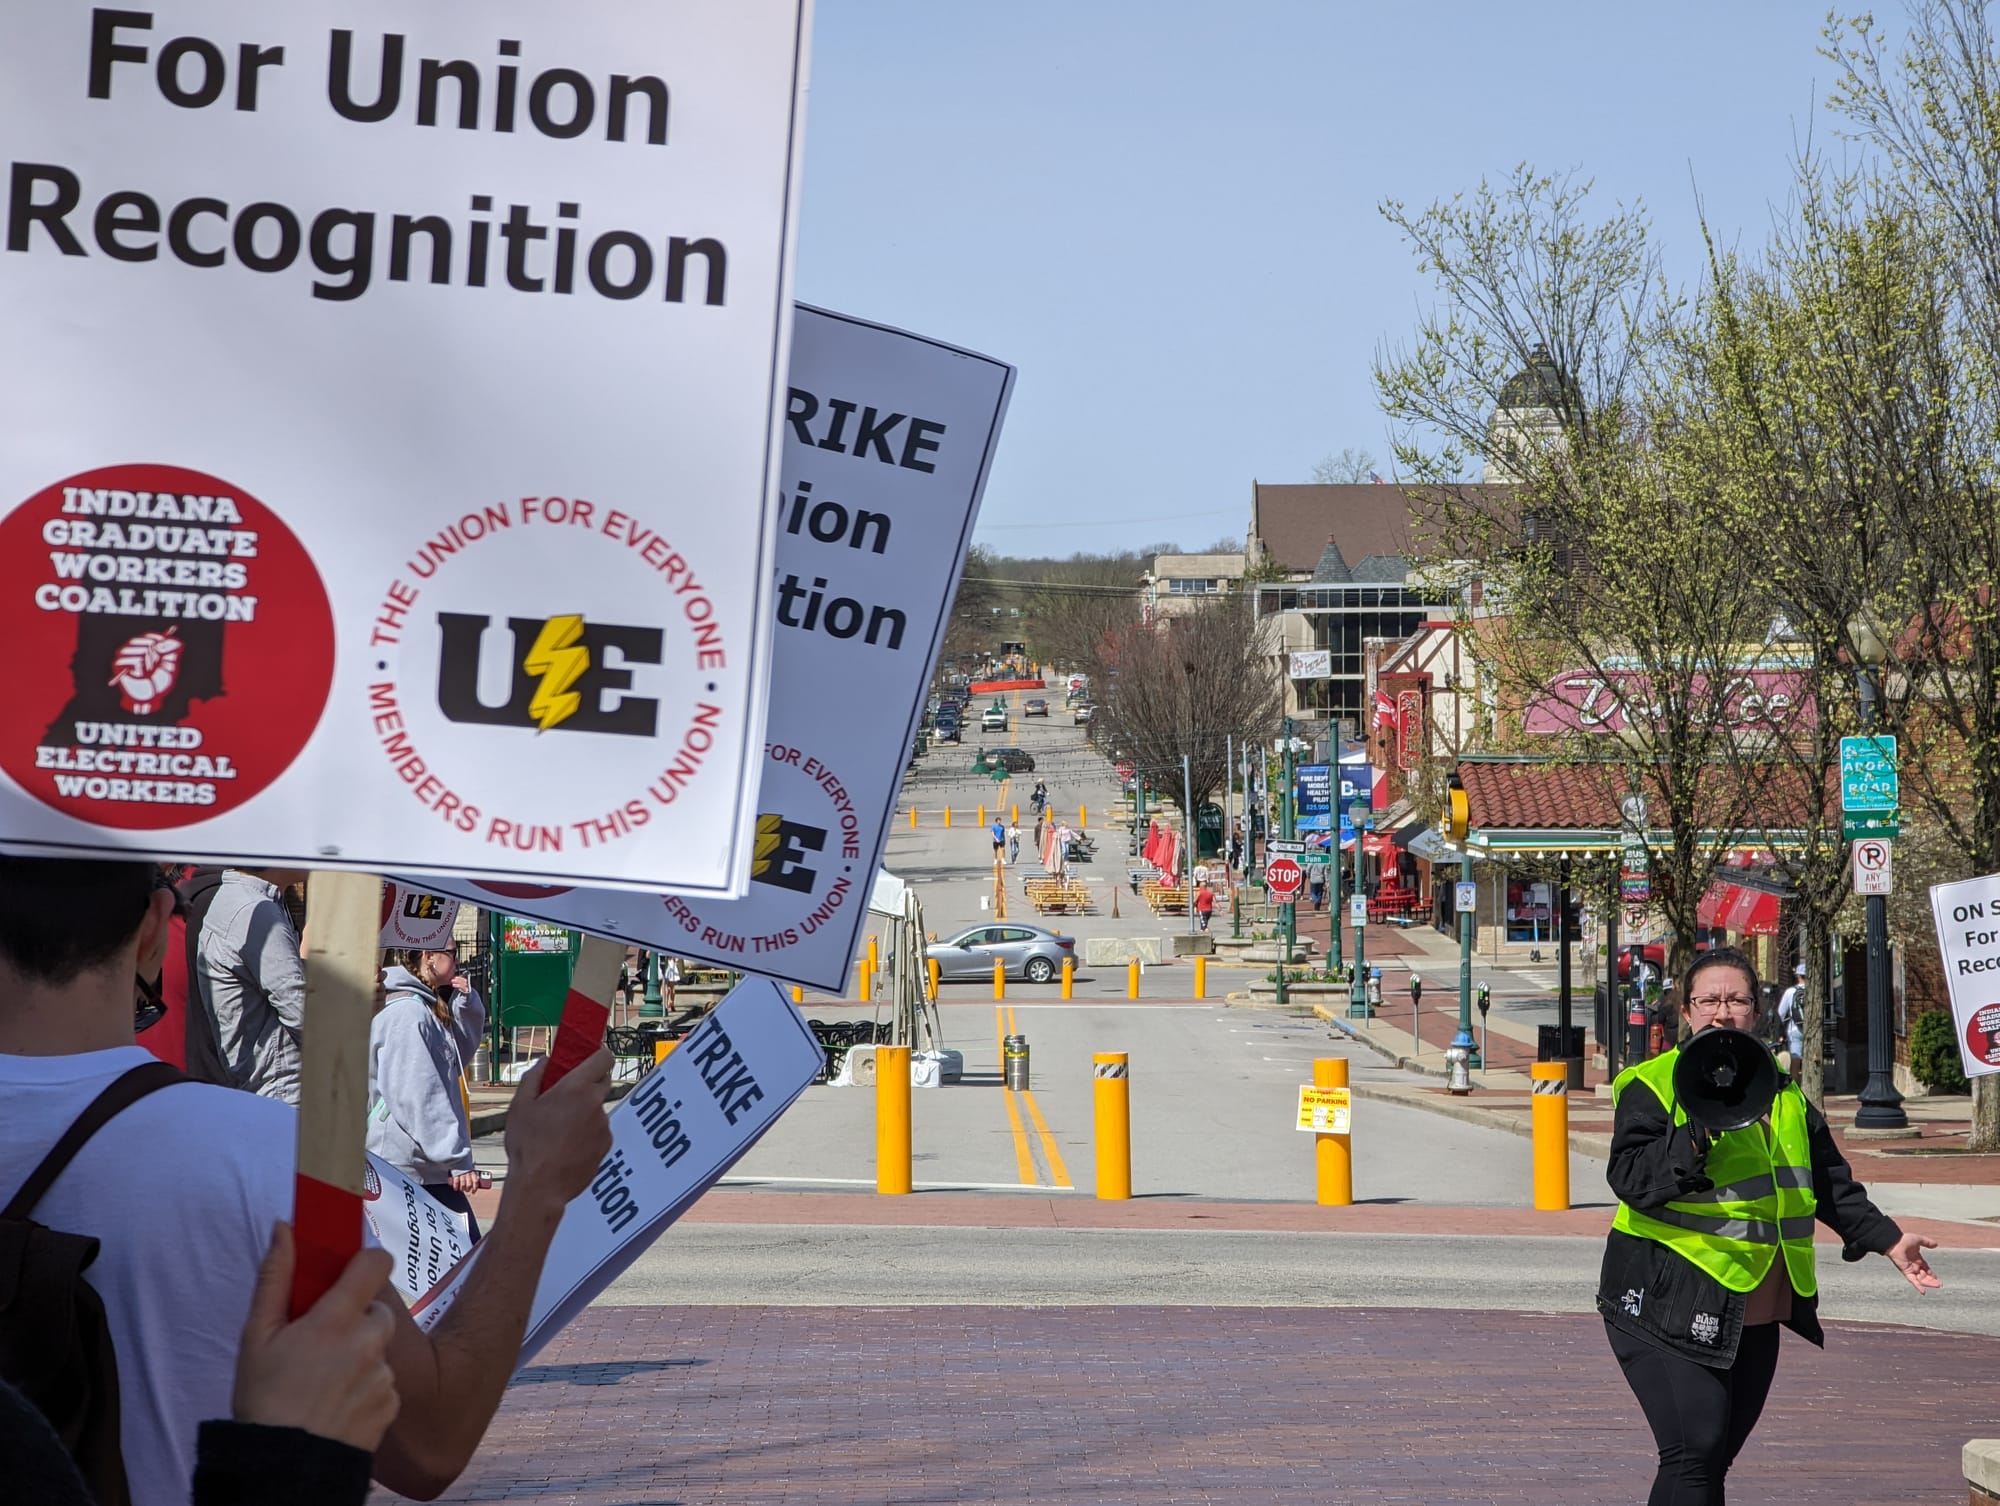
x,y
1868,774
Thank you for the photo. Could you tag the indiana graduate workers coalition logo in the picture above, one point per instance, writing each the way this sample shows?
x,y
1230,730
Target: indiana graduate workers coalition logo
x,y
492,688
171,646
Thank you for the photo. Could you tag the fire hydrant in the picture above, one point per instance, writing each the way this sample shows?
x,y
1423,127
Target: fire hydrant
x,y
1374,986
1456,1078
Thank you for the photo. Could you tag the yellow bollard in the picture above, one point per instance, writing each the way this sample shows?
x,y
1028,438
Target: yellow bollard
x,y
1014,813
913,818
982,813
864,980
798,994
1333,1155
1069,976
1112,1089
1082,817
932,969
874,956
999,980
947,818
1551,1127
1201,977
892,1119
1132,979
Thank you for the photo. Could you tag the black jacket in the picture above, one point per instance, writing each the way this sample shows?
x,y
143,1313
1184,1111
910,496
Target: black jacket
x,y
1656,1295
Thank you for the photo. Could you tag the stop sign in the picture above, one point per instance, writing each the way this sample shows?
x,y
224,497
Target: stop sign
x,y
1283,877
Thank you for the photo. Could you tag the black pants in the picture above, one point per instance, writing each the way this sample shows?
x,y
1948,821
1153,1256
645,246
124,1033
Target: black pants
x,y
457,1202
1700,1416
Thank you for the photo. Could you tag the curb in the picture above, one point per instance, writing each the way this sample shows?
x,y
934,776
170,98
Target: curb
x,y
1582,1142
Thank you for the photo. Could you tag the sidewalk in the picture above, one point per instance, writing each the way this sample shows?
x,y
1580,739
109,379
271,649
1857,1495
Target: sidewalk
x,y
1135,1405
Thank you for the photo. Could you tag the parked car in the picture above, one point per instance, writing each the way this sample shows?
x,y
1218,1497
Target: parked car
x,y
1035,707
1013,760
946,730
1027,951
993,719
1083,713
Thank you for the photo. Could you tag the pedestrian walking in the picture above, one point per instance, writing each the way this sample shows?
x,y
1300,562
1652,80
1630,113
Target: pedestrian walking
x,y
1204,905
999,833
1316,889
1013,842
1712,1246
1791,1020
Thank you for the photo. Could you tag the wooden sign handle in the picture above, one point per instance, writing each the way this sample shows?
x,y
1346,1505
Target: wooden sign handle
x,y
343,961
586,1008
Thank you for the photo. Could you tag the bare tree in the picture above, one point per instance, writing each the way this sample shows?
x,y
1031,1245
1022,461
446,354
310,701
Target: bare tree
x,y
1188,686
1346,468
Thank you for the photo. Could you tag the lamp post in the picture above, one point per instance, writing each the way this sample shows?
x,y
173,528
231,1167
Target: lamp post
x,y
1286,909
1357,995
1881,1105
1187,802
1457,827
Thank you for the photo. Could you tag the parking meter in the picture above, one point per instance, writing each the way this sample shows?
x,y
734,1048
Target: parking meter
x,y
1485,1001
1416,991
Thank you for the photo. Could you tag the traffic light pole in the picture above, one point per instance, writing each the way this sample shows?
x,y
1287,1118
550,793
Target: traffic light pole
x,y
1464,1038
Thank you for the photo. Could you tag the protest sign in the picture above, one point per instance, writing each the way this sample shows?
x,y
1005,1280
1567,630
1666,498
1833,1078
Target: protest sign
x,y
393,400
689,1120
424,1238
870,544
411,917
1967,916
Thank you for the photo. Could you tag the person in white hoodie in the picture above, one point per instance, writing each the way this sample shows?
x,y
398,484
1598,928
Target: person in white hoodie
x,y
416,1114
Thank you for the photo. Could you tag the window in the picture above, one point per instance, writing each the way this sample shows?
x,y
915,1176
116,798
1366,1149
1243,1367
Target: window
x,y
1188,586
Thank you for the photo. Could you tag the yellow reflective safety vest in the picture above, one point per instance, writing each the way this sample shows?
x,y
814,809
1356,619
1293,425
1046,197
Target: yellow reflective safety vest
x,y
1762,1202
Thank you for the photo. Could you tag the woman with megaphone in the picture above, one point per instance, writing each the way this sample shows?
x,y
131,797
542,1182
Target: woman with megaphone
x,y
1721,1168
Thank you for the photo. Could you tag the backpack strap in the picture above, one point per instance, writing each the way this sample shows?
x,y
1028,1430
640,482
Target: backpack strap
x,y
121,1094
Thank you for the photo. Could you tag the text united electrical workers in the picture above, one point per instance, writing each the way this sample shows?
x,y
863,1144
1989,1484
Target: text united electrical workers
x,y
525,248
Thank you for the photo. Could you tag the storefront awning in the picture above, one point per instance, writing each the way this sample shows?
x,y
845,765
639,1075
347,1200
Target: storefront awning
x,y
1731,907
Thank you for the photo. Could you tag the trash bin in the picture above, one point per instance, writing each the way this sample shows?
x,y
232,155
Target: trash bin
x,y
1014,1061
1549,1043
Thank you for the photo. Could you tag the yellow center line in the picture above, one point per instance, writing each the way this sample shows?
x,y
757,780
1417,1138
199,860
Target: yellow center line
x,y
1056,1166
1023,1157
1048,1142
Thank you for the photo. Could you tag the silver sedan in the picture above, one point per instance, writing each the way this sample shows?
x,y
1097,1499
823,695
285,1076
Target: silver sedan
x,y
1026,951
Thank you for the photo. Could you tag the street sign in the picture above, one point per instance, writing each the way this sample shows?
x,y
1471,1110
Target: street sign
x,y
1283,877
1465,896
1854,827
1871,866
1635,875
1868,774
1277,845
1325,1111
1967,916
1317,857
1357,910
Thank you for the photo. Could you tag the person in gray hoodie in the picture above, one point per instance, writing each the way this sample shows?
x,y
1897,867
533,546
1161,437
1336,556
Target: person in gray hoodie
x,y
416,1116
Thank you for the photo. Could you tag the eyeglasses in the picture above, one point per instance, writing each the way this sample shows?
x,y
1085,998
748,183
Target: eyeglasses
x,y
1722,1001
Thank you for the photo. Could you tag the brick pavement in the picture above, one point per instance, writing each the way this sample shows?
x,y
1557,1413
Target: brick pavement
x,y
1127,1405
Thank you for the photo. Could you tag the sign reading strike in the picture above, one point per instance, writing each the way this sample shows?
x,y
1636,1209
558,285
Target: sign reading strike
x,y
869,556
1967,916
393,401
689,1120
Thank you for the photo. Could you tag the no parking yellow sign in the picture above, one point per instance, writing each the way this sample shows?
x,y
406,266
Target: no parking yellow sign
x,y
1324,1111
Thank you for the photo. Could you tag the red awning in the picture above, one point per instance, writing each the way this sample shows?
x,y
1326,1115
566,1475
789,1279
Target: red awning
x,y
1731,907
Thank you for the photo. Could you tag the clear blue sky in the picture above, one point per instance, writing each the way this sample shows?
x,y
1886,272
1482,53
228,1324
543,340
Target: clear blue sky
x,y
1164,212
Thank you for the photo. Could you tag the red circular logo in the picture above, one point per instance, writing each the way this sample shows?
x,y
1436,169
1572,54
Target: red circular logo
x,y
1982,1035
171,646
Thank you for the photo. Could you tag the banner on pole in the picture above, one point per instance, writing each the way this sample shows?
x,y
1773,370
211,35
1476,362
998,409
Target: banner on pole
x,y
868,561
393,410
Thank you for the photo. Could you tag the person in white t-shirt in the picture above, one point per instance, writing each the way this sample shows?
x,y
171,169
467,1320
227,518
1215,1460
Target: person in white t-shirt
x,y
1791,1019
183,1189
